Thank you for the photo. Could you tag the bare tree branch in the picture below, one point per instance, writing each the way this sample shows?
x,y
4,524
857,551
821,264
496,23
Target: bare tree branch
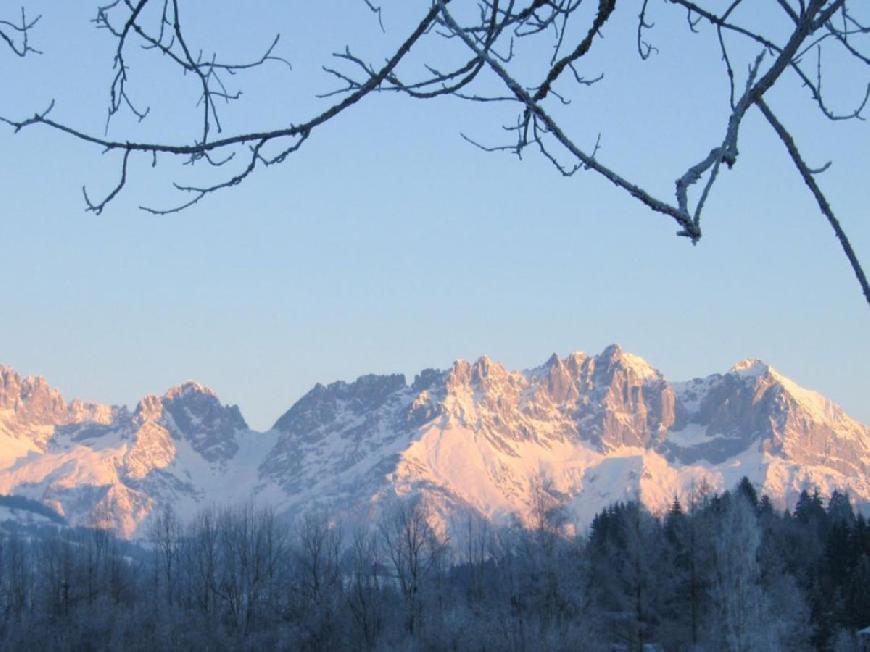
x,y
808,176
815,35
16,36
204,147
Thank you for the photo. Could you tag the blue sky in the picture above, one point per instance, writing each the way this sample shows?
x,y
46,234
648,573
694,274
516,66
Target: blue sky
x,y
389,244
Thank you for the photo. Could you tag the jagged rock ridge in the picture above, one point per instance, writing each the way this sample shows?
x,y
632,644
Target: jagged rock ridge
x,y
585,429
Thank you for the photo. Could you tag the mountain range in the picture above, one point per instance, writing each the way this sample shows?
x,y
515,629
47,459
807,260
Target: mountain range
x,y
580,432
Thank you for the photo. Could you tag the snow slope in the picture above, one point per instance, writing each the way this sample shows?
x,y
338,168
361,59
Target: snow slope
x,y
579,432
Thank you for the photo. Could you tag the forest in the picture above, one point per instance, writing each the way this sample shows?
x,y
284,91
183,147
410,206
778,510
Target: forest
x,y
726,571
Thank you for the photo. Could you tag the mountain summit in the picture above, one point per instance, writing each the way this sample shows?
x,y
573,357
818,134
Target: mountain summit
x,y
475,438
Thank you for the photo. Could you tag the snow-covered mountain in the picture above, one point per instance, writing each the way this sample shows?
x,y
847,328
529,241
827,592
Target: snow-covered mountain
x,y
581,431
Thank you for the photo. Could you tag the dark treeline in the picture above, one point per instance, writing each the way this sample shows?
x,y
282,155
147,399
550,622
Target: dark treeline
x,y
721,572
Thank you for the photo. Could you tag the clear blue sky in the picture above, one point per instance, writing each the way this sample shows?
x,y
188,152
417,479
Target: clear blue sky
x,y
388,244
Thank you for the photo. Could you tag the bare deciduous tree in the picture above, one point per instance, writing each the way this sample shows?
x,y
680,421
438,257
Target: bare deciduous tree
x,y
364,589
481,36
766,580
165,538
317,579
414,554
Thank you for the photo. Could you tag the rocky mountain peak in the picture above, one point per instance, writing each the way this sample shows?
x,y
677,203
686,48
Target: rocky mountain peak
x,y
188,388
613,360
28,394
79,412
483,374
626,401
199,417
323,403
149,408
485,371
751,368
755,407
33,401
459,374
601,427
193,413
426,379
562,378
611,351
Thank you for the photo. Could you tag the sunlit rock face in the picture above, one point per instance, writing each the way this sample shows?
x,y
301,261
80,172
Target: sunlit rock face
x,y
476,438
627,402
30,408
103,466
610,401
753,403
480,437
31,399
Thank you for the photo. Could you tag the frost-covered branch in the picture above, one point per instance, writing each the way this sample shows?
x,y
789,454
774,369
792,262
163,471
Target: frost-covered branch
x,y
808,176
468,50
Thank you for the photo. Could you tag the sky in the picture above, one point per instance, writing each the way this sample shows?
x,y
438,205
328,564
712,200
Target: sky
x,y
389,244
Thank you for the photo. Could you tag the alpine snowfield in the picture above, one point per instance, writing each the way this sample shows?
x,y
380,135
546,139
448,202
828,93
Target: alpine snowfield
x,y
580,432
